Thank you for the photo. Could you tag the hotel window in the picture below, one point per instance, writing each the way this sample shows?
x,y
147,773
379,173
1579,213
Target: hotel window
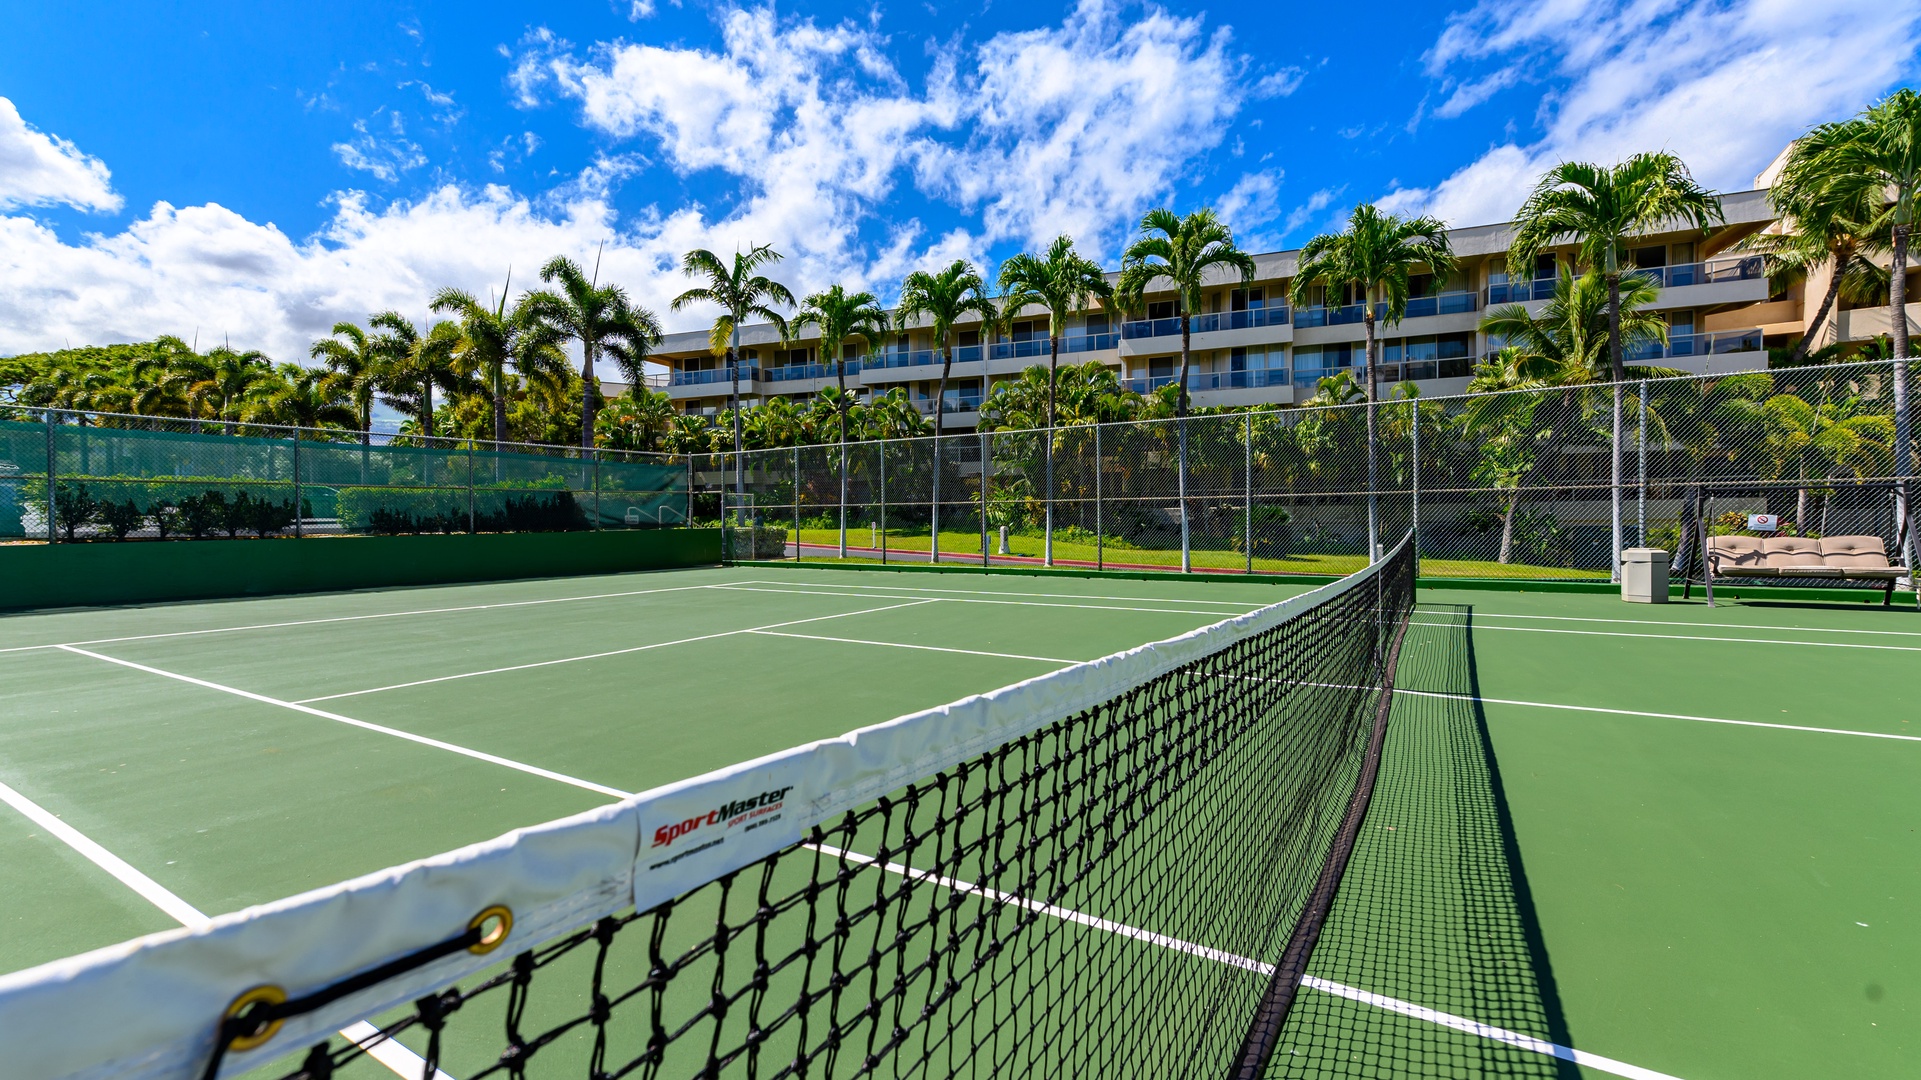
x,y
1161,309
1161,368
1096,325
1649,258
1543,266
1030,331
970,338
1248,299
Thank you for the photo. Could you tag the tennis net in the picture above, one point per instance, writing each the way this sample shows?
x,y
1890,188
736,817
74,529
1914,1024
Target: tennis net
x,y
1116,869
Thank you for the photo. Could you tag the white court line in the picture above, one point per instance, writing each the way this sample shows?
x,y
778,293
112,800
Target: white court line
x,y
1004,603
912,601
1679,637
925,648
360,618
1660,715
386,1051
1239,605
1478,615
350,721
1379,1001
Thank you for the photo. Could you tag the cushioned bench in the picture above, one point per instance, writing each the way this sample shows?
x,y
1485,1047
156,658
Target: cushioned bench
x,y
1849,558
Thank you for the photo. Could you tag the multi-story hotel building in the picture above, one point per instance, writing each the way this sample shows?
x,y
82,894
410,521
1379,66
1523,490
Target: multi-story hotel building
x,y
1251,347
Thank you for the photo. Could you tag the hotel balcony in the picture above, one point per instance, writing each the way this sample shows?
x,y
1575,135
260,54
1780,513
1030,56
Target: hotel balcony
x,y
1450,312
1213,330
1738,279
1705,354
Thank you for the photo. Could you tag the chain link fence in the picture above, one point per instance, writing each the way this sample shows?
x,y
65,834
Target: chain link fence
x,y
79,476
1517,484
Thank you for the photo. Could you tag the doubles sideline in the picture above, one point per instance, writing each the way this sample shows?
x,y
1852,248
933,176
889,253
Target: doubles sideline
x,y
402,1061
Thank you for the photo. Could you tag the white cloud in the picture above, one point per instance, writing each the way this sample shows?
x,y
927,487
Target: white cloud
x,y
1305,213
640,9
385,157
38,169
1253,200
1466,95
1724,85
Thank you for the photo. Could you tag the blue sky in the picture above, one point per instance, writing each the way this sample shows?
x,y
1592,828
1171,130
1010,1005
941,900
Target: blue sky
x,y
255,172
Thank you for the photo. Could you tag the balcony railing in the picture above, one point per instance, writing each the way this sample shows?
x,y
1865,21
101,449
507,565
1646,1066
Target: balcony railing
x,y
1213,380
713,375
1207,323
1323,316
1714,271
1519,292
798,372
1447,303
1714,344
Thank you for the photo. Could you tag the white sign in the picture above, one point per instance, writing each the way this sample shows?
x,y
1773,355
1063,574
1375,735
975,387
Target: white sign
x,y
1764,522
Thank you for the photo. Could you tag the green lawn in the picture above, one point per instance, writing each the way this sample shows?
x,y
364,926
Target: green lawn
x,y
1075,551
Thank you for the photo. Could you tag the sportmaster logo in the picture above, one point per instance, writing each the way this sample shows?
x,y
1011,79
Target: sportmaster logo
x,y
730,814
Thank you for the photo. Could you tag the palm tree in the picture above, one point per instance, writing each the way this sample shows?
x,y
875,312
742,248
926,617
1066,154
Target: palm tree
x,y
414,363
741,294
1598,209
1062,282
841,315
301,397
1181,251
495,339
1569,341
635,422
598,316
1842,234
355,363
1501,418
943,299
1876,157
1374,256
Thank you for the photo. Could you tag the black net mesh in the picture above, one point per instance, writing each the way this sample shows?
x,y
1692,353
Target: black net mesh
x,y
1107,896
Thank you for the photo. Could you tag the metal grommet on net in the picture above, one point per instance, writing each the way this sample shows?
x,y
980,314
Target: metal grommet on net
x,y
259,995
491,937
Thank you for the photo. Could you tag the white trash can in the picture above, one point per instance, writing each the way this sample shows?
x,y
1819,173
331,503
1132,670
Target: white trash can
x,y
1644,576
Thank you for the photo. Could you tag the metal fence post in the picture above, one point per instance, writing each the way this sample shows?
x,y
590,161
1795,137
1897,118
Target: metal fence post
x,y
843,496
1641,450
1414,484
297,511
1180,473
1247,521
796,504
984,546
689,523
933,528
473,523
880,450
1047,552
53,535
1100,529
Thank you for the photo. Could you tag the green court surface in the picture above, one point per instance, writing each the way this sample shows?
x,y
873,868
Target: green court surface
x,y
1608,840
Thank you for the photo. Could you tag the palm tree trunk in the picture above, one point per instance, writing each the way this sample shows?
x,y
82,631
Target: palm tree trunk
x,y
500,406
1180,421
1619,371
733,366
1373,457
1820,314
586,395
1507,526
940,405
1053,362
427,408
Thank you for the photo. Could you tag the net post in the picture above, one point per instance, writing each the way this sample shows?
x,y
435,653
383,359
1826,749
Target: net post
x,y
1100,530
53,535
1641,451
297,532
1247,521
796,504
984,548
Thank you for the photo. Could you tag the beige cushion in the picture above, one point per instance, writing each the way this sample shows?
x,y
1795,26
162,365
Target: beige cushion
x,y
1735,553
1854,552
1874,573
1787,551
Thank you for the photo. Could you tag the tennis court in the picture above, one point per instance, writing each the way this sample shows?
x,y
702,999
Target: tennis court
x,y
1606,840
